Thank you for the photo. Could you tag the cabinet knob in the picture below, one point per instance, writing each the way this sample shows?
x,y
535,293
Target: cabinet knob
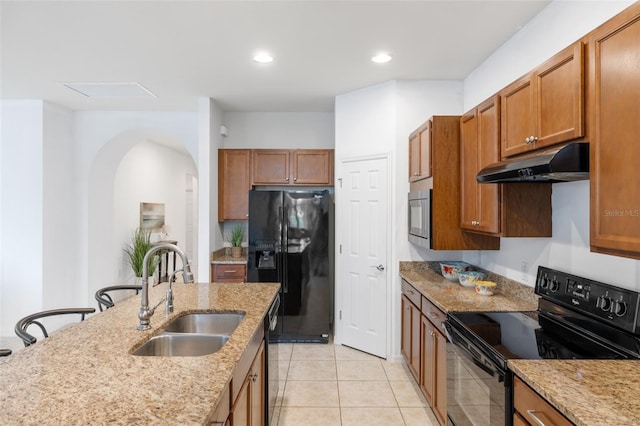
x,y
295,179
286,179
416,174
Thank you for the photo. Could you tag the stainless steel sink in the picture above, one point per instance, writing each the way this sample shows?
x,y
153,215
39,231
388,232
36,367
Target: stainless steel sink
x,y
206,323
182,345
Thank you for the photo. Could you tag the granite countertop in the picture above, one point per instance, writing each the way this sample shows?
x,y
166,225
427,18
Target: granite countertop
x,y
228,260
452,297
587,392
223,257
85,374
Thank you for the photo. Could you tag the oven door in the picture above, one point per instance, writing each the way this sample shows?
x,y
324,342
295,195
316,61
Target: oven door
x,y
479,392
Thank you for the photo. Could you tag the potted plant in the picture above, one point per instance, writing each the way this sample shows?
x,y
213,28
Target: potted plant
x,y
236,238
137,249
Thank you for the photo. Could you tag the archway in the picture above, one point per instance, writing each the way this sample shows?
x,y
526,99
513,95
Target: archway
x,y
135,166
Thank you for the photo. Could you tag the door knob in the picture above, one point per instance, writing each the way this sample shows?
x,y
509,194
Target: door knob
x,y
379,267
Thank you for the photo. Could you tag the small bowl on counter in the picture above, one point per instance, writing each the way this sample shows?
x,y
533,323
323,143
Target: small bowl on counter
x,y
485,288
450,270
469,278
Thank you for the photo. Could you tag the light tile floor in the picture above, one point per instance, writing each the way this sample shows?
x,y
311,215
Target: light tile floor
x,y
335,385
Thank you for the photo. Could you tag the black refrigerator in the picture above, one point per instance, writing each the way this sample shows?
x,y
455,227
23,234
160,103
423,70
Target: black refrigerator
x,y
291,242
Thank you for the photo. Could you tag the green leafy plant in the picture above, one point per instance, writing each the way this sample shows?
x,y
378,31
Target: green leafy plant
x,y
237,236
137,249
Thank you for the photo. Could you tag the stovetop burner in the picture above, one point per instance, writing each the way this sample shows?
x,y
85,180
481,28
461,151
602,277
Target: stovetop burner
x,y
577,318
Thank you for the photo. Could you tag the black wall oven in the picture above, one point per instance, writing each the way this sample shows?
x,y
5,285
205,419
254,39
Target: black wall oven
x,y
577,318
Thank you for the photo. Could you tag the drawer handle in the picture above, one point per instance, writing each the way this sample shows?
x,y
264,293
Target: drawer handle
x,y
229,271
410,292
535,418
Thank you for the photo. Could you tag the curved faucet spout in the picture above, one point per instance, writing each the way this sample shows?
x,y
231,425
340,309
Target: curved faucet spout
x,y
145,311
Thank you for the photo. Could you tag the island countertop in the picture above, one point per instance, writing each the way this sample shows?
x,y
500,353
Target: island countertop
x,y
85,373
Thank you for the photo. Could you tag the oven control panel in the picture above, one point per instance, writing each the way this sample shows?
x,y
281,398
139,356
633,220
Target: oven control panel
x,y
615,305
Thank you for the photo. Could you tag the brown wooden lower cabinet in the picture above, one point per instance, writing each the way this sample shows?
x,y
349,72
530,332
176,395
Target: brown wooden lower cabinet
x,y
228,273
423,346
248,407
247,385
532,409
433,360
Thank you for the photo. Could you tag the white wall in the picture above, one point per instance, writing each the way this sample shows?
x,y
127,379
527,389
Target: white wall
x,y
210,118
154,173
557,26
378,120
61,287
21,264
291,130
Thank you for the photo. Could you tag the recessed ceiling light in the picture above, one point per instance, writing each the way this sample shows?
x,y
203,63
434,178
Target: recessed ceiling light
x,y
111,90
263,58
381,58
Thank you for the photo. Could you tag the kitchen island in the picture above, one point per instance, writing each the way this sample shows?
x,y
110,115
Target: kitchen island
x,y
85,373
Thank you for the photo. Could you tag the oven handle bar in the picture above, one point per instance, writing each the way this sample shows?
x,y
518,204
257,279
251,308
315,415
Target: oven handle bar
x,y
457,339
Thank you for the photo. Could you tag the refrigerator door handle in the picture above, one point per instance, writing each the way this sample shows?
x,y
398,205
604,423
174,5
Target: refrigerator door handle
x,y
285,247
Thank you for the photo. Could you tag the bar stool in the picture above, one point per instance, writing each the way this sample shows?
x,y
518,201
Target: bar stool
x,y
104,299
24,323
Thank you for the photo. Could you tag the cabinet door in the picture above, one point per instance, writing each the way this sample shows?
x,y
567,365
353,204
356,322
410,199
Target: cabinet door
x,y
468,170
488,152
479,147
614,56
425,150
415,341
405,339
518,115
427,376
440,392
558,87
414,156
234,183
312,167
257,389
270,167
420,153
240,414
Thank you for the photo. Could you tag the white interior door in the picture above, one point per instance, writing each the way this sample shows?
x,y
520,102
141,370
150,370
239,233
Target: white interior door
x,y
362,274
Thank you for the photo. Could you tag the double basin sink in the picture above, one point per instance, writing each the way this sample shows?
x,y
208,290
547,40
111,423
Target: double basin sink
x,y
193,334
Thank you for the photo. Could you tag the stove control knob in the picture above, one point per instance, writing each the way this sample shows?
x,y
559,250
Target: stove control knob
x,y
605,303
554,285
544,282
620,308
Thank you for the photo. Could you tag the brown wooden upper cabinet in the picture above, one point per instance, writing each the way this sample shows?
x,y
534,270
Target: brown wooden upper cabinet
x,y
545,107
504,210
614,126
234,182
479,147
292,167
420,153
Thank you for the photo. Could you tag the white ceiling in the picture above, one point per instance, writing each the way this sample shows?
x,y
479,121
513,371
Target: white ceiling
x,y
183,50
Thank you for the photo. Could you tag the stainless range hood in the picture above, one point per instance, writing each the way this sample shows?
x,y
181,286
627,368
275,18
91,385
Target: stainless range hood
x,y
563,163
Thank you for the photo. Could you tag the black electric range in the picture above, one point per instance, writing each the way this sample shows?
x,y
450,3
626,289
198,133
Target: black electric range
x,y
577,318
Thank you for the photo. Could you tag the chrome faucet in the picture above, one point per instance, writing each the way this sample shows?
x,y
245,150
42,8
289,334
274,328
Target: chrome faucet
x,y
145,311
